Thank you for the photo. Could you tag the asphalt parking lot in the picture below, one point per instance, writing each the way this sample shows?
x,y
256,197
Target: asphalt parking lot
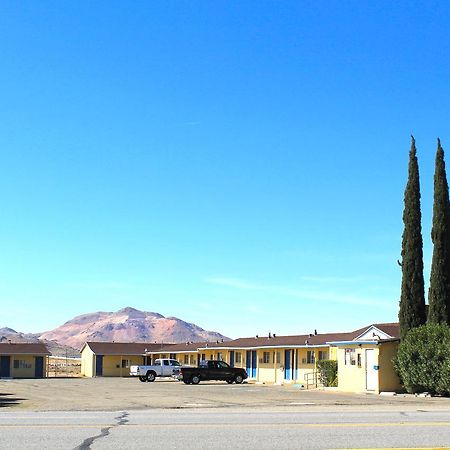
x,y
109,394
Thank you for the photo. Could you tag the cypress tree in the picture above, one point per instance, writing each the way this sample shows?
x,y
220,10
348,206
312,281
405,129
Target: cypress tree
x,y
439,292
412,298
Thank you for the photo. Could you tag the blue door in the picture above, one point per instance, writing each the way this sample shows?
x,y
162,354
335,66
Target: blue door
x,y
248,363
98,365
253,363
39,367
231,358
5,362
287,364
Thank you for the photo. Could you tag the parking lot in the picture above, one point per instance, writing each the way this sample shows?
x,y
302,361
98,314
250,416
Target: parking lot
x,y
109,394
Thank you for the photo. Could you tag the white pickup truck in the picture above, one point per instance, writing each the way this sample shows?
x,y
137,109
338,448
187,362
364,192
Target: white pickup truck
x,y
163,367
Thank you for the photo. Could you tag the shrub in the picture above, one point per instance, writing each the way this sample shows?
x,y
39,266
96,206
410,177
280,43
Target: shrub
x,y
327,372
423,359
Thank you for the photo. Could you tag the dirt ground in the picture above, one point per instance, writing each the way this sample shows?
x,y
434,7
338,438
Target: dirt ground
x,y
105,394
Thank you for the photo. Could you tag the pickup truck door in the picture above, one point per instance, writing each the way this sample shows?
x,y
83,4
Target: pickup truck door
x,y
224,370
166,368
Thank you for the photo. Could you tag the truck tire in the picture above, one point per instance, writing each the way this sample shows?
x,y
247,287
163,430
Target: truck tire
x,y
151,375
238,379
143,378
195,379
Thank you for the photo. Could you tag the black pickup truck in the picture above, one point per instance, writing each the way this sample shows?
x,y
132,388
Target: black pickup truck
x,y
212,370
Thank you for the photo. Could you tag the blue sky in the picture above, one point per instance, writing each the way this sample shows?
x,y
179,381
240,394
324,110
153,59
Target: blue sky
x,y
239,165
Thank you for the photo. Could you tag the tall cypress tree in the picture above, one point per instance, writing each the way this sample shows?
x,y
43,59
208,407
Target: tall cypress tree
x,y
412,298
439,292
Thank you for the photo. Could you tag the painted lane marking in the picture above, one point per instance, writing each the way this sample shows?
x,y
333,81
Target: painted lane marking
x,y
243,425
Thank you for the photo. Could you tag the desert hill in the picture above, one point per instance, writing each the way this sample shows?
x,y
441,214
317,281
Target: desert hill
x,y
127,325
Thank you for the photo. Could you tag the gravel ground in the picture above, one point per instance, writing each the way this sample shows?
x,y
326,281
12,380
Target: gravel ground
x,y
108,394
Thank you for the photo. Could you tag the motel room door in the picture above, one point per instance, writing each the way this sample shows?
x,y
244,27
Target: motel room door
x,y
5,362
287,365
371,370
39,367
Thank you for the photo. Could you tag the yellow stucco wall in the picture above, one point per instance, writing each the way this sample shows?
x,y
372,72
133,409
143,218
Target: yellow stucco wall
x,y
352,378
87,362
112,365
26,372
388,379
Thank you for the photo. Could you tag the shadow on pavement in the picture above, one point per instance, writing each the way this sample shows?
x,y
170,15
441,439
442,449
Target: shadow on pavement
x,y
6,400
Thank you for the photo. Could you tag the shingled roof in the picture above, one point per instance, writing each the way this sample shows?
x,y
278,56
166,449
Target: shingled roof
x,y
123,348
179,348
24,348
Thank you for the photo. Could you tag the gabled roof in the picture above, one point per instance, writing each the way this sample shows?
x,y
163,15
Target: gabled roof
x,y
391,330
123,348
24,349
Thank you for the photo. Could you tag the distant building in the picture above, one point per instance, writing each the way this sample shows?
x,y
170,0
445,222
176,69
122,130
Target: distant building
x,y
23,360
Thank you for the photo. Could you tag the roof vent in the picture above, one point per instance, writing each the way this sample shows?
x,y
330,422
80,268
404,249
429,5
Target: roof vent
x,y
311,335
256,337
274,335
315,332
270,335
306,342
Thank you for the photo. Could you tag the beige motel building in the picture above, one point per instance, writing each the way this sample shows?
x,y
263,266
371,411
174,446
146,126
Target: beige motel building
x,y
23,360
364,357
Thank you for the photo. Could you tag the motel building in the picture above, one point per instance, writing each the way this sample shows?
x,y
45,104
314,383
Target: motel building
x,y
364,357
23,360
113,359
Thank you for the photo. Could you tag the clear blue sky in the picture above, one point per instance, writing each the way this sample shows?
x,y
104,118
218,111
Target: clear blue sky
x,y
240,165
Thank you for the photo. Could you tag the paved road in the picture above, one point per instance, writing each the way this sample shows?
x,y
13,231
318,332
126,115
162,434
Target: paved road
x,y
235,428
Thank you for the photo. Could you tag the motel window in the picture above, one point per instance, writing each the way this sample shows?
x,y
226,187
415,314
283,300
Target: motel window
x,y
21,364
323,355
358,356
173,356
350,359
277,357
125,363
266,357
220,356
186,359
203,357
238,357
310,357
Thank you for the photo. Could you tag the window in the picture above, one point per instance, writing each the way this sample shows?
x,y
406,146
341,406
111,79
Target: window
x,y
21,364
173,356
186,359
349,357
220,356
203,357
157,362
277,357
165,362
125,363
222,365
175,363
310,358
238,357
323,355
266,357
358,356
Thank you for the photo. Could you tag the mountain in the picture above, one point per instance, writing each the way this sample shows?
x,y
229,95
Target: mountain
x,y
128,325
8,334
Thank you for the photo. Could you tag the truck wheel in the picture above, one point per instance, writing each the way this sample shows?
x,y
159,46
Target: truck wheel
x,y
239,379
151,376
195,379
143,378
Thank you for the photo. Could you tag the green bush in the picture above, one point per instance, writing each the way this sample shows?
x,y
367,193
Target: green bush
x,y
327,372
423,359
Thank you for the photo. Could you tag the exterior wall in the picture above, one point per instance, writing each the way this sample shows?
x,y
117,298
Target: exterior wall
x,y
26,372
352,378
112,365
87,362
388,379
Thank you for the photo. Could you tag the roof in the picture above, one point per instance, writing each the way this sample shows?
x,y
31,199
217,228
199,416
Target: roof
x,y
179,348
24,349
123,348
302,340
